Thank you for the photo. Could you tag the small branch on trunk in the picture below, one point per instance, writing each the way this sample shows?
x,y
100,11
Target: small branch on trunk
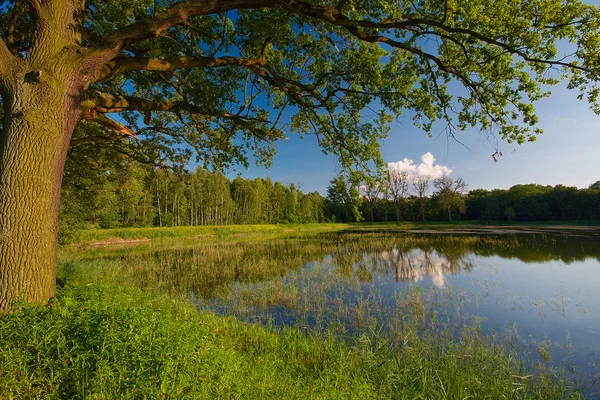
x,y
111,124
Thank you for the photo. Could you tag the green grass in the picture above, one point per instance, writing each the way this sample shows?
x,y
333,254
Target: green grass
x,y
101,341
214,233
126,241
191,232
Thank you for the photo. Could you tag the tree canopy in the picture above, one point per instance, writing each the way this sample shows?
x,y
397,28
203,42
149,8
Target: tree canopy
x,y
225,78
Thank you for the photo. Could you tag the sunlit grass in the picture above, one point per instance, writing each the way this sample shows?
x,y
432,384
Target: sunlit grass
x,y
102,341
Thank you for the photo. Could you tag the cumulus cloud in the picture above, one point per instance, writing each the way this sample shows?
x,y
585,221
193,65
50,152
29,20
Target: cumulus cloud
x,y
425,168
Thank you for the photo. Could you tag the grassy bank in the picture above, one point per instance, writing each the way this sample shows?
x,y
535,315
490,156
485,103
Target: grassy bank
x,y
268,231
196,232
101,341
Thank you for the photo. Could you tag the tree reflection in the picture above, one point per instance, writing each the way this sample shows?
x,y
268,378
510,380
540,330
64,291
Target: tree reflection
x,y
415,264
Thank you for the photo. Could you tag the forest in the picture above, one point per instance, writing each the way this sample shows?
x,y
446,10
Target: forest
x,y
526,203
112,190
131,194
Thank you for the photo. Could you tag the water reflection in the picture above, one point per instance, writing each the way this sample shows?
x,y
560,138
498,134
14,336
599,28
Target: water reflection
x,y
414,265
536,293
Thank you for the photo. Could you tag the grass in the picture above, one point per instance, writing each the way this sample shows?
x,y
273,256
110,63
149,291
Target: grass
x,y
122,325
101,341
204,232
268,231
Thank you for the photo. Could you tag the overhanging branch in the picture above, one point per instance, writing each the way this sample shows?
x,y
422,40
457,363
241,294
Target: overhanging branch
x,y
335,16
124,64
100,103
178,14
107,103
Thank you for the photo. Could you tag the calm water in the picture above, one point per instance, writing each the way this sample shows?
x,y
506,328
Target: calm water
x,y
538,294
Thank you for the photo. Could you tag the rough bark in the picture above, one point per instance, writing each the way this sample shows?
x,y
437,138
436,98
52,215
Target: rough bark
x,y
41,96
37,131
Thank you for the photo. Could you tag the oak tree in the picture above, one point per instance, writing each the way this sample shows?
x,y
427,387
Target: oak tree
x,y
227,77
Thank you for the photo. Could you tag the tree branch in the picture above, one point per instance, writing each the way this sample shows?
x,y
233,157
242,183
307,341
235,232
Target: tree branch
x,y
107,103
336,17
100,102
177,14
124,64
111,124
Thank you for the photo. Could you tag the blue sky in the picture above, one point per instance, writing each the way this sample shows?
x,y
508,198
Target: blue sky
x,y
567,153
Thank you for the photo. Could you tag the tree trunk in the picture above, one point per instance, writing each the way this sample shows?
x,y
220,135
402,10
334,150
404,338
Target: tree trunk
x,y
38,124
43,99
158,203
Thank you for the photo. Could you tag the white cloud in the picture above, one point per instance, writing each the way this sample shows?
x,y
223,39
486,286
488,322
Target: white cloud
x,y
425,168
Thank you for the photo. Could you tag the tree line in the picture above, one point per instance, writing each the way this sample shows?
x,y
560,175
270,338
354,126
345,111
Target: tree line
x,y
535,203
110,190
400,197
129,194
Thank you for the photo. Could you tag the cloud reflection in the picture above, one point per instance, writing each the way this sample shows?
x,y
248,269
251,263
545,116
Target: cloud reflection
x,y
416,264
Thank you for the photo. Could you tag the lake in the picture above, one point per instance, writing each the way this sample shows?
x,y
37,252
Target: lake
x,y
535,294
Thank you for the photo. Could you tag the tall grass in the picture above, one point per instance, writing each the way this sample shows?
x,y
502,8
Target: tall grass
x,y
119,342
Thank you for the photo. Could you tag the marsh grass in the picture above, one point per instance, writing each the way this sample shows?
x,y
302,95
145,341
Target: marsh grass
x,y
102,341
195,232
146,324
